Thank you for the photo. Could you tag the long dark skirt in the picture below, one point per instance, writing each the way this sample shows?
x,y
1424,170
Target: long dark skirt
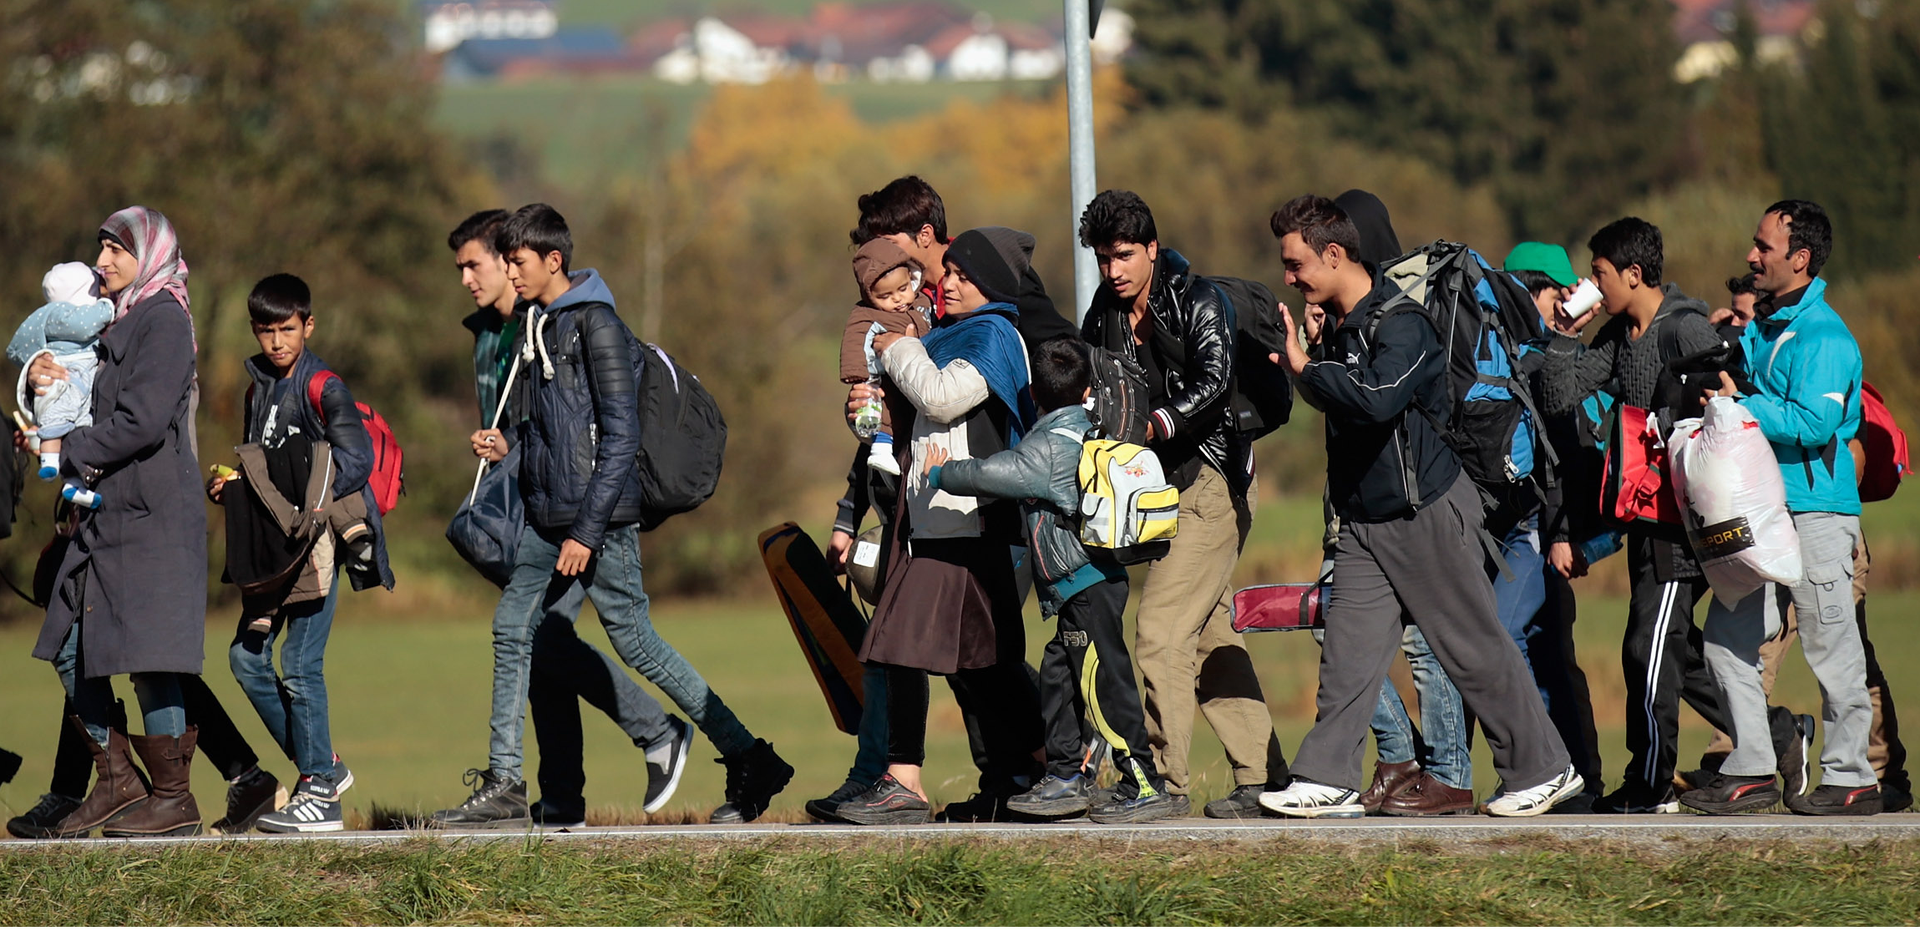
x,y
938,607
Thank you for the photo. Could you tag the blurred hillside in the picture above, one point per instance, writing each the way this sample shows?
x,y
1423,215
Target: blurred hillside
x,y
283,135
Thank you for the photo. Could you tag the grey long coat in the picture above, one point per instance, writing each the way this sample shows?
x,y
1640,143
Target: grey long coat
x,y
144,601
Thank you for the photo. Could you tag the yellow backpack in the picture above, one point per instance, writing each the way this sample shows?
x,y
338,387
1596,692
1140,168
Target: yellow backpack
x,y
1126,504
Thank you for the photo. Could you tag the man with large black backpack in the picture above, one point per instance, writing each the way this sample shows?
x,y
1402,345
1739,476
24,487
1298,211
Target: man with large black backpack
x,y
1180,329
1408,549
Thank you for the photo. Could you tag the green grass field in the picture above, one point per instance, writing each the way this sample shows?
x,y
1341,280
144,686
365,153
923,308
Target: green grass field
x,y
901,882
410,693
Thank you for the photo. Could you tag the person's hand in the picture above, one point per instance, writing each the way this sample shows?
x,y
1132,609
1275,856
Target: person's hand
x,y
857,397
573,558
1560,557
1314,321
1720,315
490,445
44,372
881,342
935,457
216,485
1726,389
838,546
1297,359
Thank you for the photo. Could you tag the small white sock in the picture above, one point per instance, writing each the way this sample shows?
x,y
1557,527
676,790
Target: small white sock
x,y
50,461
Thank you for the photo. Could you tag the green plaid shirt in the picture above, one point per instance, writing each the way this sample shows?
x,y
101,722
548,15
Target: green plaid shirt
x,y
492,357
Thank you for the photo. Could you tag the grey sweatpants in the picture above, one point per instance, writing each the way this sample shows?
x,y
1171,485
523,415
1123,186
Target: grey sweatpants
x,y
1832,645
1428,570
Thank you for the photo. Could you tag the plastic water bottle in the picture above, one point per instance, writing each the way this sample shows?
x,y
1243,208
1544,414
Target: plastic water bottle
x,y
1602,546
866,420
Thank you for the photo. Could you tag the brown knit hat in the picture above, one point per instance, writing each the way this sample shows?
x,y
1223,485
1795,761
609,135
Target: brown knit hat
x,y
875,259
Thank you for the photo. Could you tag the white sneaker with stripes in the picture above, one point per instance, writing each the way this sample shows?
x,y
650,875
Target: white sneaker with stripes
x,y
306,813
1304,799
1538,800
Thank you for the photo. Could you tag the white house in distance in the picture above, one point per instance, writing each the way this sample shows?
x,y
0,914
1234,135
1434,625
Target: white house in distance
x,y
717,53
447,23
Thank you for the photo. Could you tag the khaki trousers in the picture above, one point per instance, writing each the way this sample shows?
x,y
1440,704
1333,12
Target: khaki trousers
x,y
1187,651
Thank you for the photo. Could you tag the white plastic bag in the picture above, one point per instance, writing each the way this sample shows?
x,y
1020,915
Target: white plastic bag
x,y
1734,502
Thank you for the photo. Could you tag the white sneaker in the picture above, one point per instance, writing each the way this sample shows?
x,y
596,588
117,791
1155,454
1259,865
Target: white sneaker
x,y
1303,799
1538,800
881,458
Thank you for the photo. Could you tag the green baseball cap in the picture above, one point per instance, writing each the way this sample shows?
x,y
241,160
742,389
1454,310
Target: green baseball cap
x,y
1545,258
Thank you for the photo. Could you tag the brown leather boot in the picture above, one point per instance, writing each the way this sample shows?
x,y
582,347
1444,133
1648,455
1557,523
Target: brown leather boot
x,y
1426,795
170,809
1386,778
117,783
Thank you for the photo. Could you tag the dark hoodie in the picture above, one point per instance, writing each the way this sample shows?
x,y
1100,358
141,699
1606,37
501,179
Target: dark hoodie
x,y
1378,244
582,434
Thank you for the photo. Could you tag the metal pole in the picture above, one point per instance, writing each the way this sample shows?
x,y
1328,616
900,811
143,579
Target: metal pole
x,y
1086,272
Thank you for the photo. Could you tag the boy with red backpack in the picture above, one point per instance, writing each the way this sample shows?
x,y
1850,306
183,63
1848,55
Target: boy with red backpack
x,y
306,438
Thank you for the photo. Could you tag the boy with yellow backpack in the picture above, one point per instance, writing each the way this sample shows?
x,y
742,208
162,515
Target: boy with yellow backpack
x,y
1082,584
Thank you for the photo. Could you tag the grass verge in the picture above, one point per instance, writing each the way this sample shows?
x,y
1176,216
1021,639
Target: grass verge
x,y
980,883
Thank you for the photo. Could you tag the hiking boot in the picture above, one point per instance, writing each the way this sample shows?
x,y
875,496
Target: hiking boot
x,y
1386,778
550,815
117,785
1242,802
315,808
1733,795
1305,799
495,803
1793,758
1837,800
1426,796
826,809
753,779
886,802
1538,800
1894,796
40,820
170,809
249,797
1634,799
1138,802
666,761
1054,797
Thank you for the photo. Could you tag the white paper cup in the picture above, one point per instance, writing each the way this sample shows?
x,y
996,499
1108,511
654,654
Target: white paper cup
x,y
1584,298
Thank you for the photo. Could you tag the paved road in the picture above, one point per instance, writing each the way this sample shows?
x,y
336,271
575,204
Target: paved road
x,y
1650,829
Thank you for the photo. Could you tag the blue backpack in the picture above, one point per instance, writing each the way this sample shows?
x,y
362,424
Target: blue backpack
x,y
1487,325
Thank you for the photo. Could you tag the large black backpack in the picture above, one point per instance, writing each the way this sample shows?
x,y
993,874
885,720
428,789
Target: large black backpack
x,y
683,438
1486,322
1262,392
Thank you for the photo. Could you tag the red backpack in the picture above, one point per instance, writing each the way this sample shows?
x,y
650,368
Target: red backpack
x,y
388,480
1883,447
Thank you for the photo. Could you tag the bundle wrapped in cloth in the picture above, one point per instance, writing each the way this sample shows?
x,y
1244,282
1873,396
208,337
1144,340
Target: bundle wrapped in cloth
x,y
1734,502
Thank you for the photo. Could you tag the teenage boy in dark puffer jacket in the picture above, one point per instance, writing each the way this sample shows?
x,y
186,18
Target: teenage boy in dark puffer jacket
x,y
1087,592
583,501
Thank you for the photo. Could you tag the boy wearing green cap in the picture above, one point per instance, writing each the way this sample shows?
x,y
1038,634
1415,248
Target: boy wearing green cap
x,y
1546,272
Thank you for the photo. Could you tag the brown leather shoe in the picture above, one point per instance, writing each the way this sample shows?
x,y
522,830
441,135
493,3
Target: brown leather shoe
x,y
1425,796
117,783
1386,778
170,810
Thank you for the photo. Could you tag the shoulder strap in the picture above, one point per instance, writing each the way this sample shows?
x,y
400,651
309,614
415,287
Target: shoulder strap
x,y
316,385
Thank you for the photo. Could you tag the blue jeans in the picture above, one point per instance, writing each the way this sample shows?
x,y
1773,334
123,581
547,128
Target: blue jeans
x,y
293,701
1518,599
1440,743
870,761
161,703
534,624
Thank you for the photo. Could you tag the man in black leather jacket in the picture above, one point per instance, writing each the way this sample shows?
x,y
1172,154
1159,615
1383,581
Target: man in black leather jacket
x,y
582,495
1154,309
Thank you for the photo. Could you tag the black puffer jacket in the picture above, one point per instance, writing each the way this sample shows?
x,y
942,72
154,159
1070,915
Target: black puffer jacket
x,y
582,433
1384,458
1194,343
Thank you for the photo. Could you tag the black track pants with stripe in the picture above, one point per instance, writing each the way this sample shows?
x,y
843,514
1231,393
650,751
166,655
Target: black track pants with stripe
x,y
1086,670
1663,664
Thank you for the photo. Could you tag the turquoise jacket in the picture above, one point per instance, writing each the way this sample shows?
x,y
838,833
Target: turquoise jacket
x,y
1807,369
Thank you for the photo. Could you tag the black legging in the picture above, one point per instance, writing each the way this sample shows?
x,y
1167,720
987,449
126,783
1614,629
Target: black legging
x,y
1002,694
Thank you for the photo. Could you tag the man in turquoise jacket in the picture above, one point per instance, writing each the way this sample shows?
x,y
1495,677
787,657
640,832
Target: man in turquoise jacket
x,y
1806,371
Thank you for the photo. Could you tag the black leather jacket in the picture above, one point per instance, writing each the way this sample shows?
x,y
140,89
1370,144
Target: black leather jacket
x,y
578,445
1193,344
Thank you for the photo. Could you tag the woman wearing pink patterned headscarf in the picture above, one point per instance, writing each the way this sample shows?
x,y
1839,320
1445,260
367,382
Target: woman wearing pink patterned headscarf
x,y
131,594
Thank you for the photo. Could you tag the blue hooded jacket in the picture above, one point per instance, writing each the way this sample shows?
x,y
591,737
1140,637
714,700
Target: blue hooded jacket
x,y
1806,366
